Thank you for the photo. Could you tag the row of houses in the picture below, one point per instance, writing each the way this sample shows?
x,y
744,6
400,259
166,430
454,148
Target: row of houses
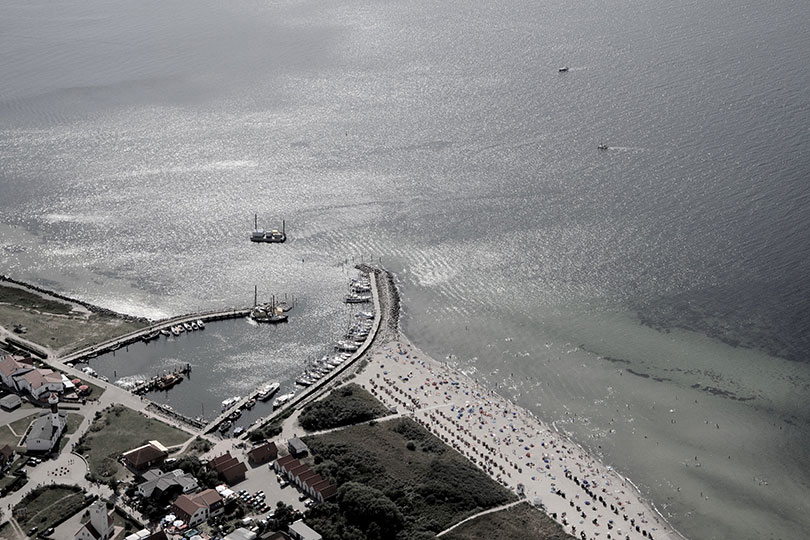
x,y
19,374
307,480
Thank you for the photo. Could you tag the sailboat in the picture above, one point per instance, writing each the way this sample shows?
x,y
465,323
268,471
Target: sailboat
x,y
268,313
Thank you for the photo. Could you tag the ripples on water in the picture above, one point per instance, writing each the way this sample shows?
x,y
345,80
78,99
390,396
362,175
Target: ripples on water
x,y
136,144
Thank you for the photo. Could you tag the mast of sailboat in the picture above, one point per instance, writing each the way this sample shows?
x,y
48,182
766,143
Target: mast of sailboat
x,y
282,228
255,295
255,222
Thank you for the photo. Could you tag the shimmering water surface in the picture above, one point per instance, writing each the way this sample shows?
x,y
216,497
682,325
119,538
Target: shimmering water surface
x,y
649,299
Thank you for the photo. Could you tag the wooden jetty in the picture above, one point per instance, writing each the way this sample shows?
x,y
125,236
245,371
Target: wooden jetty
x,y
235,407
138,335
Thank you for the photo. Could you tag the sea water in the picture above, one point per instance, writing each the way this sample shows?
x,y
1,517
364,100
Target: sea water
x,y
648,299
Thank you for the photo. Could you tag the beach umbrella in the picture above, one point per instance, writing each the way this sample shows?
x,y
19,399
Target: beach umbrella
x,y
76,381
84,388
178,523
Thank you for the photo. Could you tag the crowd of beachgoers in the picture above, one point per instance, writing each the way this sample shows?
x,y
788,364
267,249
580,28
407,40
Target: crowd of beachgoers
x,y
590,500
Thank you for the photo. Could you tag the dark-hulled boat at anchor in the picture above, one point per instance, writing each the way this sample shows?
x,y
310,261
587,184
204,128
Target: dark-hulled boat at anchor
x,y
273,236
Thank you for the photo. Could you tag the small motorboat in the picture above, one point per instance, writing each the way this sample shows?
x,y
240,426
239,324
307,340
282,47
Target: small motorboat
x,y
224,426
563,69
603,147
200,324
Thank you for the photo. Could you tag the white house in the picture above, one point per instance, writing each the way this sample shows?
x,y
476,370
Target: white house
x,y
40,382
100,526
47,429
198,508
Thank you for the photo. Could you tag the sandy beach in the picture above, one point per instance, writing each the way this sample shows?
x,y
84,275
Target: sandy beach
x,y
589,499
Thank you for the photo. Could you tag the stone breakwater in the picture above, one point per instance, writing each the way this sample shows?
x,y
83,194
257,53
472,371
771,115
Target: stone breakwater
x,y
90,307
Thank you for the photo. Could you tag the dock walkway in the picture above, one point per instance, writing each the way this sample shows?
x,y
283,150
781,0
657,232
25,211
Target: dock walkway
x,y
137,335
322,384
211,426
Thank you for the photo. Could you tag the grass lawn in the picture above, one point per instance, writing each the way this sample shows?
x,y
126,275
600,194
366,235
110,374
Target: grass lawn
x,y
74,420
120,429
7,437
6,531
431,485
521,522
19,426
121,521
55,324
95,391
47,505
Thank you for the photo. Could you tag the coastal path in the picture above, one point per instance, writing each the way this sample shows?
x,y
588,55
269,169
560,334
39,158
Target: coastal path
x,y
479,514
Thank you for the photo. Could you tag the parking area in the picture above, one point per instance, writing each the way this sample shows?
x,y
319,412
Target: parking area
x,y
263,479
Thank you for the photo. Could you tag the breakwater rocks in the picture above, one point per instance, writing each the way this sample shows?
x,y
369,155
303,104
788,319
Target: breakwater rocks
x,y
90,307
388,295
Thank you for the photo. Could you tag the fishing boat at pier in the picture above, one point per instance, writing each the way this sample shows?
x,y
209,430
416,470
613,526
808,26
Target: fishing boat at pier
x,y
167,381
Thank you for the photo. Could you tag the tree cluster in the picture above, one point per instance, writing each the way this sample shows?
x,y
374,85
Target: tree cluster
x,y
347,405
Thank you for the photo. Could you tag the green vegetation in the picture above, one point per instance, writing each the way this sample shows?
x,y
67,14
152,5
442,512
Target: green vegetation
x,y
272,428
73,422
11,481
48,505
386,490
117,430
521,522
21,426
95,391
198,447
7,437
56,324
346,405
25,299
